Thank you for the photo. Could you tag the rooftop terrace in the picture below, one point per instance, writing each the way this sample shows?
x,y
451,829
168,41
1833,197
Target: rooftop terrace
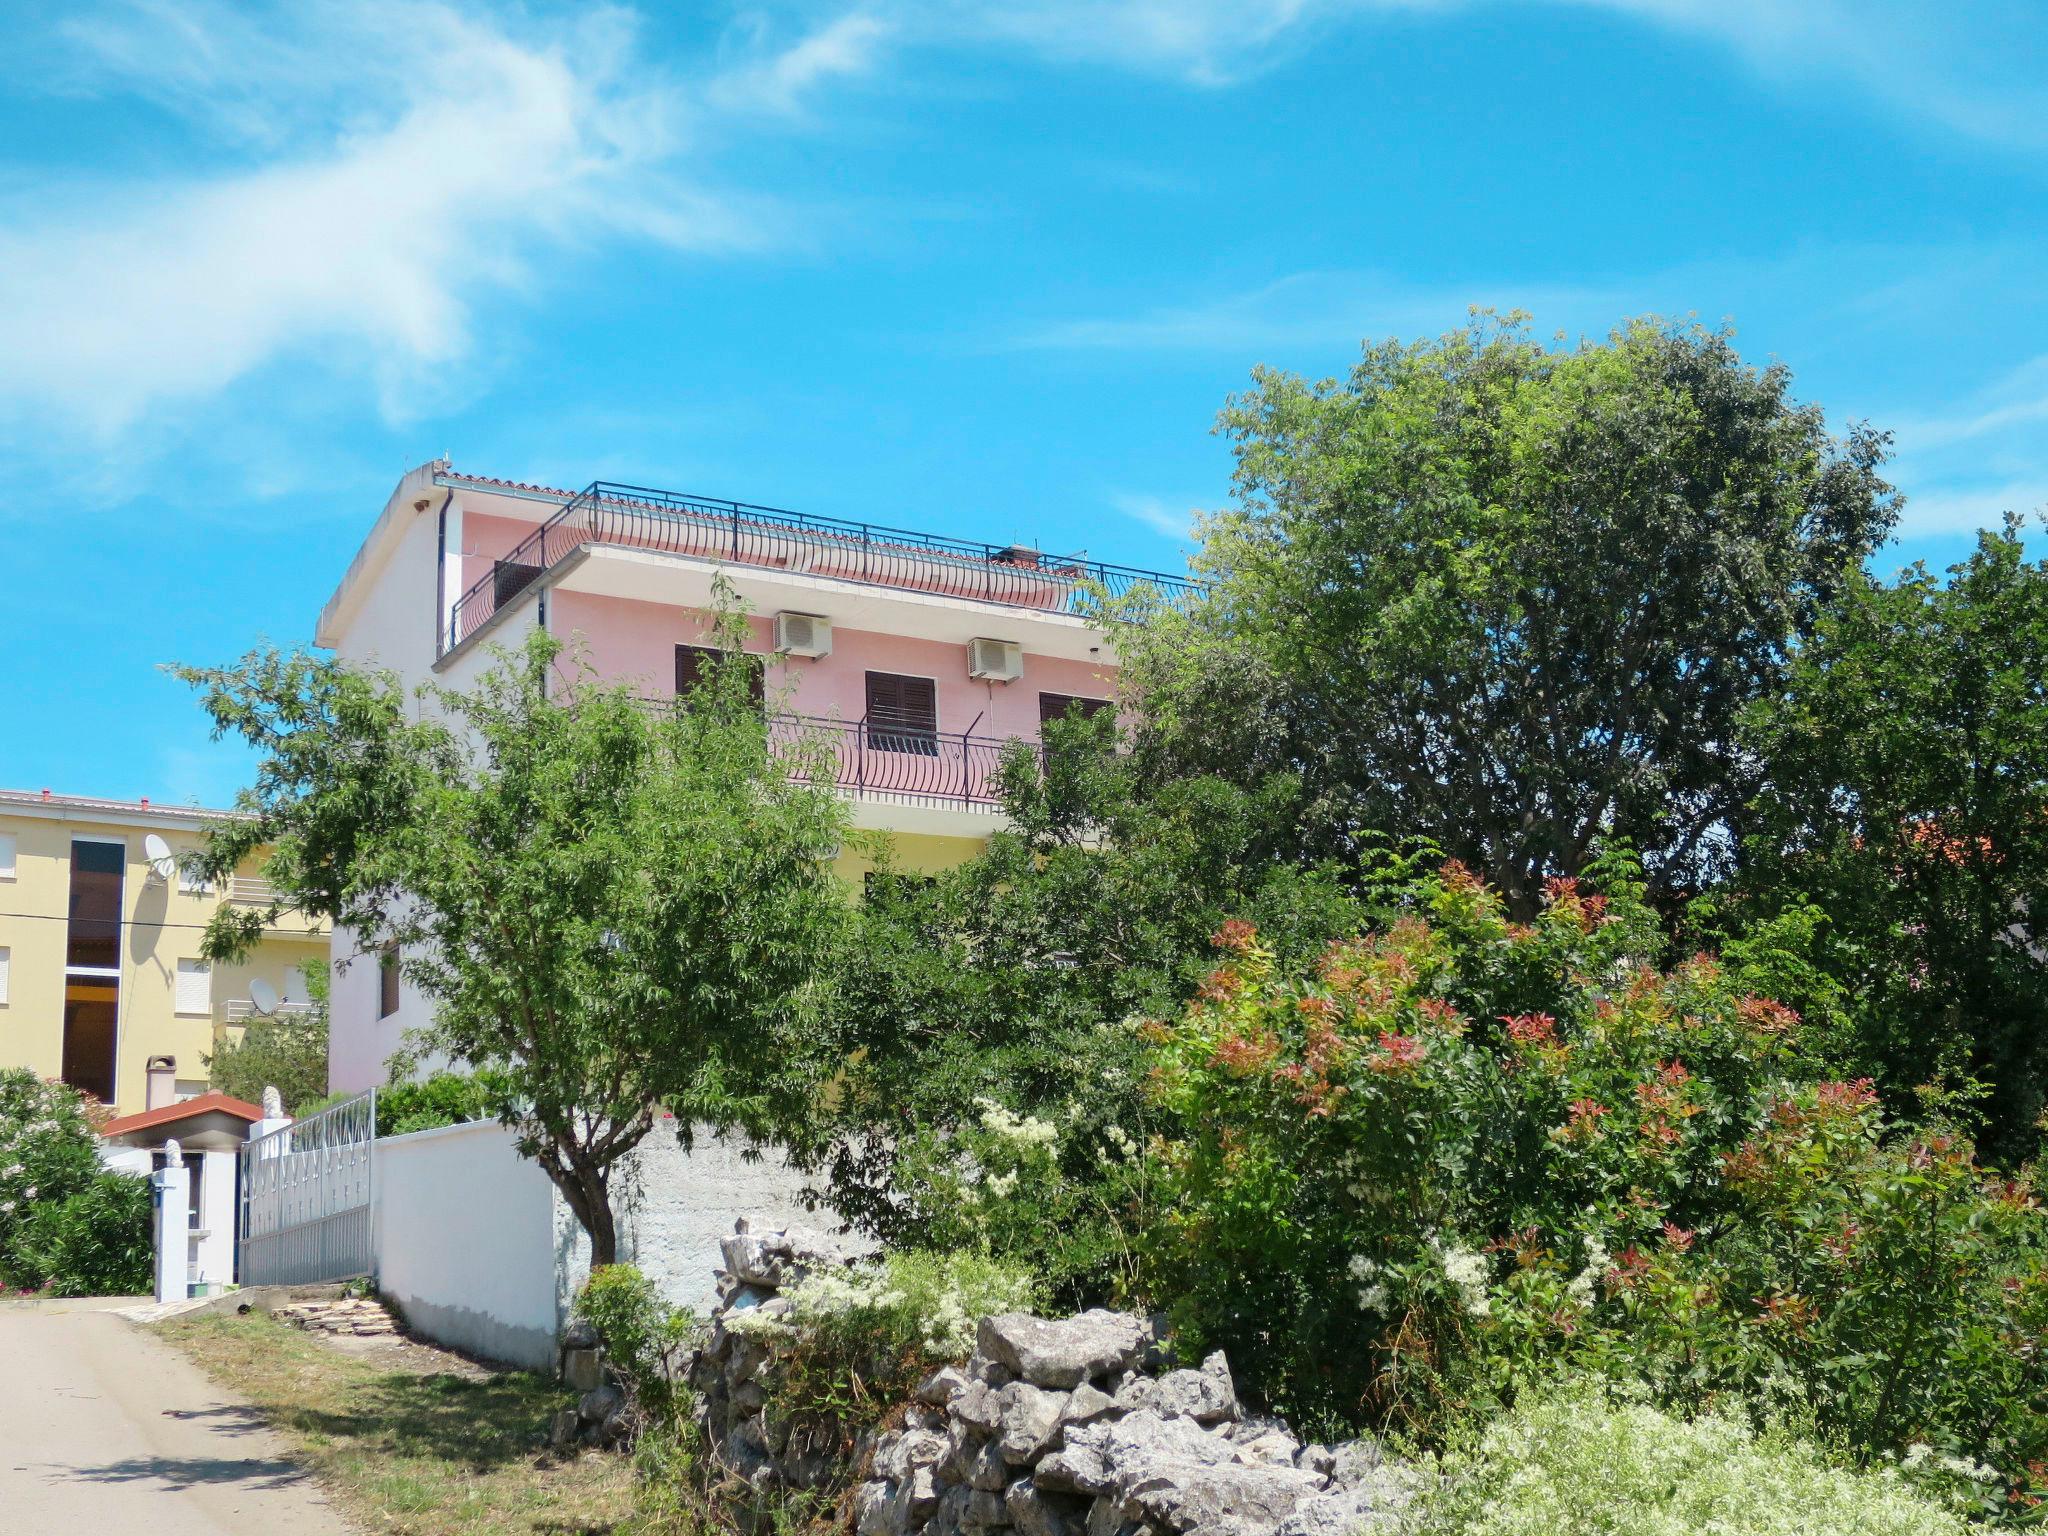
x,y
703,528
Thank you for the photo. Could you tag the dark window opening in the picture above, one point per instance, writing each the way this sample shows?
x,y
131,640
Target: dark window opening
x,y
91,1021
903,714
195,1166
508,579
693,662
93,940
387,982
1057,706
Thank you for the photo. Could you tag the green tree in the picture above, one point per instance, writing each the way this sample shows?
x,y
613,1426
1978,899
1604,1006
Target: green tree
x,y
1908,802
614,909
1511,598
1003,988
287,1051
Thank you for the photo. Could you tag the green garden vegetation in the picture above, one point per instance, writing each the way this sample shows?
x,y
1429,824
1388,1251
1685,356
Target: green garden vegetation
x,y
67,1226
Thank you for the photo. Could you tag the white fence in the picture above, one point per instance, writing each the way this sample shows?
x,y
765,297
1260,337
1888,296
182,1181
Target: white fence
x,y
307,1193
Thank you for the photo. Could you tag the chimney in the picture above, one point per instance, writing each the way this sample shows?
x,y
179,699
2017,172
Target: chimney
x,y
162,1072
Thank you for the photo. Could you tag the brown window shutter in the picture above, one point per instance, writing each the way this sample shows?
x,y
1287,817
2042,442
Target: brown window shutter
x,y
1054,706
903,713
691,661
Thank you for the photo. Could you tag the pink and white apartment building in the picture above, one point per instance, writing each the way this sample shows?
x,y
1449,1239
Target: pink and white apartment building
x,y
916,656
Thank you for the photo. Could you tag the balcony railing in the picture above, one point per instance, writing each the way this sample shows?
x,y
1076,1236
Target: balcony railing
x,y
236,1011
634,517
892,762
251,891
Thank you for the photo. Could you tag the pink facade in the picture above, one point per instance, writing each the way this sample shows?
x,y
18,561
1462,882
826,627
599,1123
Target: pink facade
x,y
458,566
630,641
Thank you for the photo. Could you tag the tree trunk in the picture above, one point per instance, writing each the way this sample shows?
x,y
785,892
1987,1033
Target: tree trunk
x,y
589,1199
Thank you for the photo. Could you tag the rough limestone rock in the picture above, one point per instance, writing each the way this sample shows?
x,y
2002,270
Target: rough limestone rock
x,y
1030,1421
1053,1427
1207,1396
1062,1353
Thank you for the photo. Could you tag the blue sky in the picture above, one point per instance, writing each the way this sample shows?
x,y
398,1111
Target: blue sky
x,y
988,270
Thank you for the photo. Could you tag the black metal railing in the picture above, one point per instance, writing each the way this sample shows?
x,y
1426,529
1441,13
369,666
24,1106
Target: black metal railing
x,y
891,760
635,517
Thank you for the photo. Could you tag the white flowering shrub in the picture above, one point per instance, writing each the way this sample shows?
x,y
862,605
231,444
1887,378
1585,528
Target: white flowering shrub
x,y
1060,1185
1588,1465
64,1224
856,1341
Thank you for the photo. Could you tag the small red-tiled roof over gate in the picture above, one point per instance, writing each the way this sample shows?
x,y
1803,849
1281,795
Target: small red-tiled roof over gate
x,y
184,1109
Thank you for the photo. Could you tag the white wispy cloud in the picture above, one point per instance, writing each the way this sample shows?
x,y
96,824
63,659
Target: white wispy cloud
x,y
1981,71
1173,519
394,164
844,47
1309,309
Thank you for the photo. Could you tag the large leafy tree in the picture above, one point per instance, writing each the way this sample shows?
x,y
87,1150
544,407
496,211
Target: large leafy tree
x,y
1908,808
1509,597
615,909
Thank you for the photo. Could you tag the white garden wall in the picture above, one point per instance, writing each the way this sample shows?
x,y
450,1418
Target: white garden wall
x,y
479,1252
465,1242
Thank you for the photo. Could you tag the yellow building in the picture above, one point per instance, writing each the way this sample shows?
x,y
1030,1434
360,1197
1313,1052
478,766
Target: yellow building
x,y
101,978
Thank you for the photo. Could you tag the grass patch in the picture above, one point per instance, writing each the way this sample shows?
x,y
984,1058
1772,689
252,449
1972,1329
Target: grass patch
x,y
424,1451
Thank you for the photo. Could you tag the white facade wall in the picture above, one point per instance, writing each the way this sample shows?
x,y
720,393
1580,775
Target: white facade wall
x,y
394,629
479,1251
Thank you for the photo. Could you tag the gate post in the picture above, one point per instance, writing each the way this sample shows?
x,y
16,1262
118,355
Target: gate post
x,y
170,1190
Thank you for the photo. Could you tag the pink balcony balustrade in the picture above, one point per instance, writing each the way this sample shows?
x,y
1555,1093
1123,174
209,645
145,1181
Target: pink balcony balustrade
x,y
635,517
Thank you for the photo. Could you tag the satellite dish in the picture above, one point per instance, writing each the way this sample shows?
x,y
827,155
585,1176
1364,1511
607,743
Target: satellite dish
x,y
262,997
162,862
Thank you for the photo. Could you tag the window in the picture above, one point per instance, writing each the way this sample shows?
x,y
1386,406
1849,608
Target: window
x,y
6,855
692,661
192,881
195,987
6,964
387,982
94,939
91,1027
1056,706
92,966
903,714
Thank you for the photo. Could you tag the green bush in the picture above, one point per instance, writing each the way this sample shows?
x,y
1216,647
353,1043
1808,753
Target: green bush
x,y
1368,1149
1582,1465
1464,1151
644,1337
98,1241
446,1098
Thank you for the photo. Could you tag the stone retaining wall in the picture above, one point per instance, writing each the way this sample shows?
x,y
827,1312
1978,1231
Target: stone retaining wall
x,y
1062,1427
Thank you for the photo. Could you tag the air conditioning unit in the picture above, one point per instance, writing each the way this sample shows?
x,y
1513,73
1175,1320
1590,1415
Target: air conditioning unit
x,y
803,634
997,661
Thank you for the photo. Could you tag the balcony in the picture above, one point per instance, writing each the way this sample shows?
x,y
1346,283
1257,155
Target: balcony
x,y
236,1012
768,538
251,891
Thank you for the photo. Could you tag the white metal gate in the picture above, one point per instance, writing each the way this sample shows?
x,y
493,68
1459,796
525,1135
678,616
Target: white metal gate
x,y
306,1194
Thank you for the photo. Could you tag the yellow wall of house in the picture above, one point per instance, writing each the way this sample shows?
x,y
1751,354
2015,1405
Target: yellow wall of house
x,y
161,924
913,853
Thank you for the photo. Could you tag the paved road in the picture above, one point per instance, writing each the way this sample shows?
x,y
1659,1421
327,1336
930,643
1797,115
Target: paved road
x,y
105,1431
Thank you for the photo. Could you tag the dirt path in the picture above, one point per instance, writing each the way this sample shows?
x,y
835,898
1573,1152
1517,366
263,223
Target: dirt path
x,y
105,1431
